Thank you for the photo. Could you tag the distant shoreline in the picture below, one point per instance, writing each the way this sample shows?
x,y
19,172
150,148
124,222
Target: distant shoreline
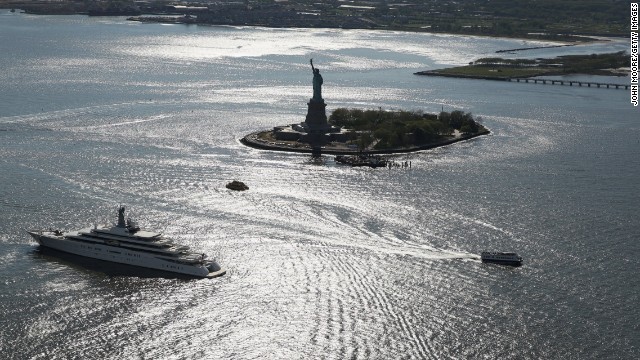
x,y
567,39
282,19
513,69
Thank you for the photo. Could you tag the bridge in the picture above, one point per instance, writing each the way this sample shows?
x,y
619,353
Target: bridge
x,y
571,83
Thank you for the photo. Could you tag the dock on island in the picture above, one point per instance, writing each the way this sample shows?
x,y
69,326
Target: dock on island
x,y
372,161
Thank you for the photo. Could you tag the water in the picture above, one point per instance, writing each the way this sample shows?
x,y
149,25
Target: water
x,y
323,261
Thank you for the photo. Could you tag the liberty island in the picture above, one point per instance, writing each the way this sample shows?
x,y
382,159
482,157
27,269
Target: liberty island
x,y
351,131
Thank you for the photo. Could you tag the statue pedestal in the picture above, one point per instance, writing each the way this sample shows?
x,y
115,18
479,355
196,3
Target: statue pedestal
x,y
316,120
315,130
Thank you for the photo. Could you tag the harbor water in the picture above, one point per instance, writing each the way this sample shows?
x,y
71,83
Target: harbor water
x,y
323,261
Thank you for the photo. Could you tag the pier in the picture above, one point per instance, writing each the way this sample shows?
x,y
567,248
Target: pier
x,y
528,80
571,83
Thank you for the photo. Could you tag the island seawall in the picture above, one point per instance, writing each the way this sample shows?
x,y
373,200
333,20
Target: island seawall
x,y
253,141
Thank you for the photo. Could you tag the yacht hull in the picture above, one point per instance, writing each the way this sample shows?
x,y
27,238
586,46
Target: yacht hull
x,y
120,255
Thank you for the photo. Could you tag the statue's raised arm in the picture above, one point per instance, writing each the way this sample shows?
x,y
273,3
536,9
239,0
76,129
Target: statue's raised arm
x,y
312,68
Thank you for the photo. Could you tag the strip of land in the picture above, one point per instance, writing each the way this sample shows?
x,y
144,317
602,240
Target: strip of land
x,y
505,69
532,48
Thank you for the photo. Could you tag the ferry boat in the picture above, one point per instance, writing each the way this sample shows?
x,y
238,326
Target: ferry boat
x,y
126,243
504,258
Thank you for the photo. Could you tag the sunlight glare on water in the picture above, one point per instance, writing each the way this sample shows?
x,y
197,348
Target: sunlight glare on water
x,y
323,261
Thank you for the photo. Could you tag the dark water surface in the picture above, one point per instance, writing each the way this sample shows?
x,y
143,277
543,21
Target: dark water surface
x,y
323,261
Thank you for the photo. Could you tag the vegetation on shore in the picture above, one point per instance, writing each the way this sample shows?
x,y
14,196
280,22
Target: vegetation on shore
x,y
380,129
500,68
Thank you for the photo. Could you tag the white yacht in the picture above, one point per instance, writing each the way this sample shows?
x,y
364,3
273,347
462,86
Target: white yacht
x,y
126,243
504,258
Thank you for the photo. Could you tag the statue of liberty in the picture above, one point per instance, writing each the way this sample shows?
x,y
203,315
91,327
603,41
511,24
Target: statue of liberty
x,y
317,84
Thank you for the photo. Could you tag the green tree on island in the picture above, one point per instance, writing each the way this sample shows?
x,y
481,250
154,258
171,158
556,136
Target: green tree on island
x,y
400,129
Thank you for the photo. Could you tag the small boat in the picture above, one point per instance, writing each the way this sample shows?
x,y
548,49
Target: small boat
x,y
503,258
237,186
